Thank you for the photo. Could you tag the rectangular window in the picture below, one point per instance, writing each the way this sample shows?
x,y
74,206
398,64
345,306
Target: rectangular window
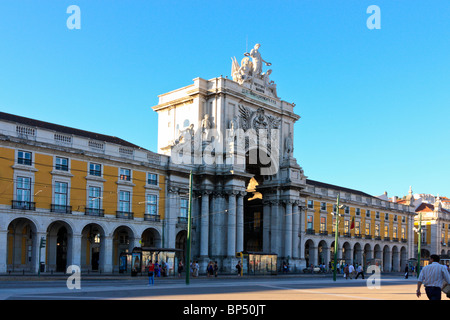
x,y
386,231
377,230
184,208
367,229
323,224
395,232
403,233
357,228
125,174
346,226
323,206
152,179
152,204
347,209
23,189
95,169
94,198
310,223
367,213
124,201
386,217
310,204
358,211
24,157
62,164
377,215
61,189
334,225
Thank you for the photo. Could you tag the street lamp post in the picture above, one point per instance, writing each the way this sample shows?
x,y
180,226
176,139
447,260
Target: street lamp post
x,y
419,243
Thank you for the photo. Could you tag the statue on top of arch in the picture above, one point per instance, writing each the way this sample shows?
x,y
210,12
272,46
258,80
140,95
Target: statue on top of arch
x,y
249,70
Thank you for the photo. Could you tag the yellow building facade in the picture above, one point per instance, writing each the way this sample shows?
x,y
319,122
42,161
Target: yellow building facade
x,y
370,230
71,197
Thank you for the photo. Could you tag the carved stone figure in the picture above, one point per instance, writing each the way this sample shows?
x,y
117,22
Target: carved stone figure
x,y
270,84
241,73
185,135
206,125
289,148
257,60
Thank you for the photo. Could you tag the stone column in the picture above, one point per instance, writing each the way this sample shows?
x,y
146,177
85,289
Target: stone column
x,y
75,249
171,217
35,263
231,225
3,250
295,230
240,222
266,225
106,254
204,227
288,229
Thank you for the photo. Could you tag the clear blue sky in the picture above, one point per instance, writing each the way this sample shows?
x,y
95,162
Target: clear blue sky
x,y
374,103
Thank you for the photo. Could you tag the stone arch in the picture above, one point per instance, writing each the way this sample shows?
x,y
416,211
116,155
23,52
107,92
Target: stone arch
x,y
357,254
59,245
323,253
310,253
151,238
23,241
386,258
347,252
93,249
123,242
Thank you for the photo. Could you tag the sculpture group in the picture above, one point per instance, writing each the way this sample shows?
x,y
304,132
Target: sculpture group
x,y
249,70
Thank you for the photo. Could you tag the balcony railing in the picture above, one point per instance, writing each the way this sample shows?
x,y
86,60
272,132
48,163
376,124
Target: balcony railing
x,y
152,217
395,239
183,220
310,231
323,232
59,208
347,235
125,215
387,239
404,240
94,212
23,205
368,237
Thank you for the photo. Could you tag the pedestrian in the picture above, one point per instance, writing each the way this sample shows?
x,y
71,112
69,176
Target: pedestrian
x,y
432,277
238,268
216,269
209,269
180,268
195,267
346,272
360,271
406,272
351,271
157,269
151,273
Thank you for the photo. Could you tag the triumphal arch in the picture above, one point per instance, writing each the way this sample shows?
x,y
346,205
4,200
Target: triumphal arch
x,y
236,136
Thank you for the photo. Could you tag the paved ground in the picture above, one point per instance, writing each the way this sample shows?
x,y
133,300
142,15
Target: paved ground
x,y
232,288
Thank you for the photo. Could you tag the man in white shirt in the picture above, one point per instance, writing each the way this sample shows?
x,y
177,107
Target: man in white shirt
x,y
351,271
433,277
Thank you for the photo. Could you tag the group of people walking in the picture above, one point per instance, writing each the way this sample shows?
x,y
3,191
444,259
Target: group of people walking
x,y
211,270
